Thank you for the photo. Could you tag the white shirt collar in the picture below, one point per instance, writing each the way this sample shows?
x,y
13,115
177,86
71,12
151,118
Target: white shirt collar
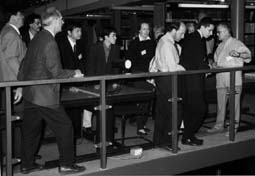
x,y
200,33
31,36
168,35
71,42
142,39
16,29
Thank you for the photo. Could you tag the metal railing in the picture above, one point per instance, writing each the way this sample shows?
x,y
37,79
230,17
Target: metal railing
x,y
102,79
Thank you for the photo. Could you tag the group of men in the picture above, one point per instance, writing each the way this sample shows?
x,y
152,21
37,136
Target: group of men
x,y
192,56
43,56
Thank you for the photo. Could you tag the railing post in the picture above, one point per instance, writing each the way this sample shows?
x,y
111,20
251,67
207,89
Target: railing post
x,y
232,106
103,124
174,113
8,131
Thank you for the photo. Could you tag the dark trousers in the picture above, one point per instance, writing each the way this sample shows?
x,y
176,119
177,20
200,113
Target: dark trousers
x,y
163,118
58,122
143,106
110,125
194,103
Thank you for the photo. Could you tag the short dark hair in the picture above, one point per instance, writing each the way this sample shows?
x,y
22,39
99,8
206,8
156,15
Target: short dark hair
x,y
107,31
174,25
10,12
31,18
70,26
140,25
206,21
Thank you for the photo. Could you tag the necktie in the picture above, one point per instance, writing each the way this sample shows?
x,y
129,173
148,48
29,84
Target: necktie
x,y
176,47
74,48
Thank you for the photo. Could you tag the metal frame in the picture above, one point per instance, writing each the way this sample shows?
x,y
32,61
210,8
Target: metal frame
x,y
103,79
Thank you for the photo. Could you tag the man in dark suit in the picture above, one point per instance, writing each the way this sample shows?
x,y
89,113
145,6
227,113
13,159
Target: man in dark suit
x,y
141,50
101,60
72,58
42,103
32,27
193,57
70,47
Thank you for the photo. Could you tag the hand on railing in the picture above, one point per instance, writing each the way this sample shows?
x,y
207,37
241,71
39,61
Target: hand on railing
x,y
78,74
18,95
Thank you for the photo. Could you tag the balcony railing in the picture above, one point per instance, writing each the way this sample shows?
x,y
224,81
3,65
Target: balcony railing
x,y
103,79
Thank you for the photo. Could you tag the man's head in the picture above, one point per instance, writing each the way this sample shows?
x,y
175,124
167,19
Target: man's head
x,y
34,22
206,27
158,31
144,30
16,18
177,30
109,35
52,19
74,31
223,31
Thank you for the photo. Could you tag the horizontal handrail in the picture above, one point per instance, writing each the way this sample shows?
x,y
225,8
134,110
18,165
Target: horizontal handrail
x,y
120,76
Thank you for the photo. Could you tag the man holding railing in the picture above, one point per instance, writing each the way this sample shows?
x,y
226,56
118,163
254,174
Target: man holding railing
x,y
41,102
230,53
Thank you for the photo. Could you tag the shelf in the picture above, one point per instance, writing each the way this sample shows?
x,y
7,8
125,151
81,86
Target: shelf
x,y
249,33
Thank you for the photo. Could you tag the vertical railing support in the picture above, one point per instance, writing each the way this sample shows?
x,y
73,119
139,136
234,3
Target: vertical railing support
x,y
8,131
232,106
174,113
103,124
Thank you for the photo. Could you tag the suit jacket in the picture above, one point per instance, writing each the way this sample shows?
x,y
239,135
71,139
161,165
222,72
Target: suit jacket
x,y
193,52
69,58
42,61
96,63
26,37
141,53
12,51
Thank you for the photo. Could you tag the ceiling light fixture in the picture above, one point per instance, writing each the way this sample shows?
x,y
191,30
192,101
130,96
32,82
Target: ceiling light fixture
x,y
222,6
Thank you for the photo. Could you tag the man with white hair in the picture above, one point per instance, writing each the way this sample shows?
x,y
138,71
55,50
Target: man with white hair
x,y
230,53
41,102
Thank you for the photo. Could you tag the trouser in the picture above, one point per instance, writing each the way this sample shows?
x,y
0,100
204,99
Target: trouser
x,y
222,99
143,106
194,104
163,119
110,125
58,122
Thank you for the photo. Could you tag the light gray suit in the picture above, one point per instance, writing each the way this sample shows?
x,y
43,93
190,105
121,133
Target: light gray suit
x,y
12,51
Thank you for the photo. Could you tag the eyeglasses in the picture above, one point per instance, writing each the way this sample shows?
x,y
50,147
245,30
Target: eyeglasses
x,y
219,32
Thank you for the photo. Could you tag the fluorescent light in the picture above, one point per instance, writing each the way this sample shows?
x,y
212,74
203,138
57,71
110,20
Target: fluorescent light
x,y
250,7
203,5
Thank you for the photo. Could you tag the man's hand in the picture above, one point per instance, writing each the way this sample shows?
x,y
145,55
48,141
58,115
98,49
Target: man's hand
x,y
18,95
78,74
234,53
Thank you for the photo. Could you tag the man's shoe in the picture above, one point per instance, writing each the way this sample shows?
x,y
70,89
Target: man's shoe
x,y
74,168
215,129
141,132
33,168
169,148
192,141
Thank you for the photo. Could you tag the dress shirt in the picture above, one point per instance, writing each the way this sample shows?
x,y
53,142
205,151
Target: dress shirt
x,y
16,29
73,44
167,57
